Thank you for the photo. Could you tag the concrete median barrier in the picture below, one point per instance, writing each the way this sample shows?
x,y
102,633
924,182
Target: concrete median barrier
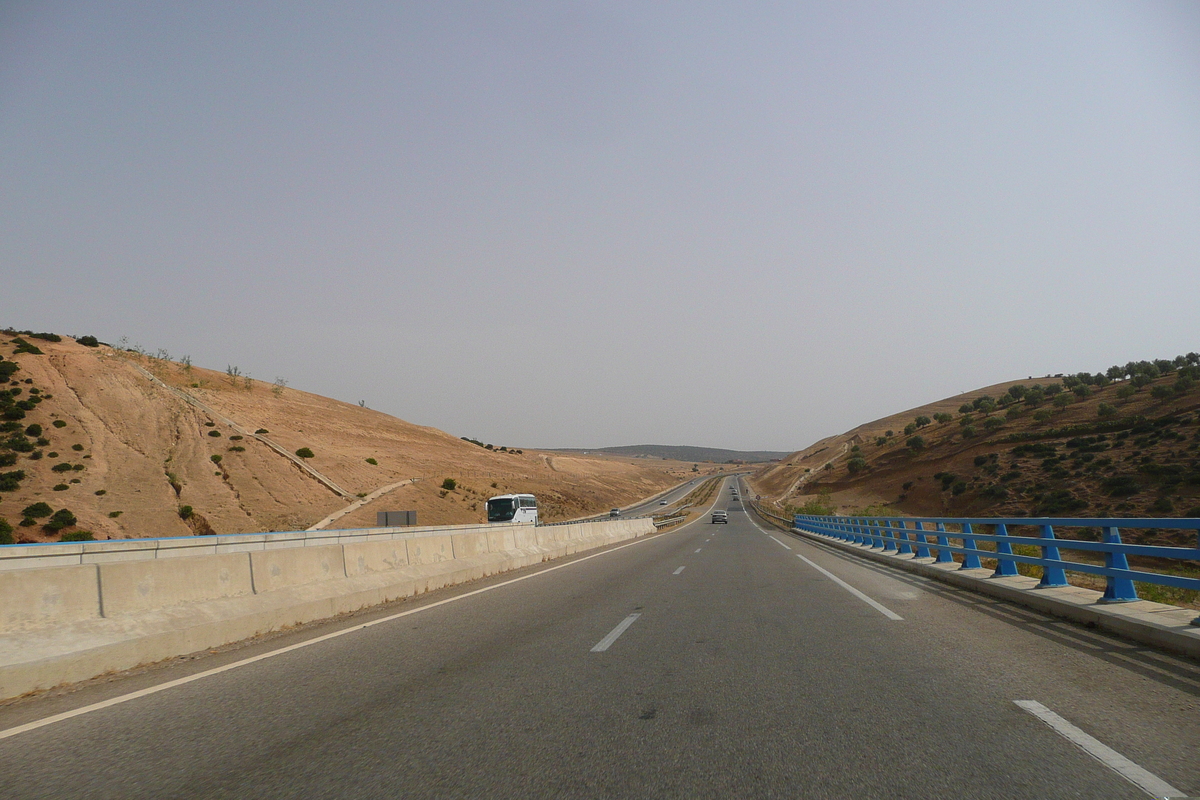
x,y
122,604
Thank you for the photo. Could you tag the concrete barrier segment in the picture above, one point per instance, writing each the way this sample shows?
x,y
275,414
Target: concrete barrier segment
x,y
296,566
132,587
52,596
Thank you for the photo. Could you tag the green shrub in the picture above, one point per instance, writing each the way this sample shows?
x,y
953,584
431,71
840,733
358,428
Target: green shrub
x,y
1106,410
1120,486
992,423
114,514
60,487
372,462
959,488
61,467
1162,505
449,484
6,532
78,536
979,461
968,431
915,443
78,467
11,481
966,408
37,510
185,512
60,519
235,438
1161,392
34,430
215,458
88,341
910,429
8,459
261,431
36,455
237,448
101,492
922,421
856,465
58,423
215,434
78,448
304,452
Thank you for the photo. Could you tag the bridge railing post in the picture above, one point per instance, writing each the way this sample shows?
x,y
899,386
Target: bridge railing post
x,y
1051,576
1005,567
922,542
1117,590
943,556
889,543
970,560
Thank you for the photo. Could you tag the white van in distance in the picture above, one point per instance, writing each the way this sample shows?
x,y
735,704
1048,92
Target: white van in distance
x,y
512,508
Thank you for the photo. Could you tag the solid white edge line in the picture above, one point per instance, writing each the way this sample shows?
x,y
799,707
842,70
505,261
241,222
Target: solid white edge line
x,y
676,572
781,544
882,609
1148,782
113,701
615,633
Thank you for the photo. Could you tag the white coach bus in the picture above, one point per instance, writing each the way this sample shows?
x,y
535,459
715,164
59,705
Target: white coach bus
x,y
512,508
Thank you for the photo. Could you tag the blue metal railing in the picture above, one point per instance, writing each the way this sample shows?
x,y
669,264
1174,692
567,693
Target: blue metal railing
x,y
930,537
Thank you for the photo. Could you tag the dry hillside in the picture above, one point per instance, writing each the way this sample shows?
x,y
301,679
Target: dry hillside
x,y
124,441
1126,447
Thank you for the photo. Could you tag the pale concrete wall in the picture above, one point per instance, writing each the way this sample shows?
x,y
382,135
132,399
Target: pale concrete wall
x,y
294,566
48,597
130,587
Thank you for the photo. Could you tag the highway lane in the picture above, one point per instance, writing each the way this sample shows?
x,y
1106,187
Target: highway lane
x,y
746,672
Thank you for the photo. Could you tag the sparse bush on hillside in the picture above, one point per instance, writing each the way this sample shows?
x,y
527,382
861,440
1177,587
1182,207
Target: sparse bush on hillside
x,y
1161,392
11,481
8,459
60,519
966,408
88,341
61,467
78,448
78,536
1083,391
910,429
856,465
261,432
6,532
58,423
1062,400
215,434
958,488
942,418
992,423
979,461
304,452
1125,391
1106,410
215,458
34,430
921,421
114,514
915,443
237,448
1014,412
968,431
372,462
449,484
1042,415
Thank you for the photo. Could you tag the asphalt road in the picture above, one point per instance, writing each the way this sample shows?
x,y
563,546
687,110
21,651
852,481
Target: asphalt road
x,y
711,661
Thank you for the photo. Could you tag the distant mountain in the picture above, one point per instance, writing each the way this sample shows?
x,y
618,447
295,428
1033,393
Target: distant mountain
x,y
716,455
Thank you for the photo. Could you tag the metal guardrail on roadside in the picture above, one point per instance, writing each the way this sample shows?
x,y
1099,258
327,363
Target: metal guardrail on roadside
x,y
930,537
665,521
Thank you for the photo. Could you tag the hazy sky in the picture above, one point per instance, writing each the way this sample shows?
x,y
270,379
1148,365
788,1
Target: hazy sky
x,y
743,225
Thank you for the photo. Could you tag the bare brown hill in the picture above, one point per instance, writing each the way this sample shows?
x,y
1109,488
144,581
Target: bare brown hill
x,y
1121,448
124,441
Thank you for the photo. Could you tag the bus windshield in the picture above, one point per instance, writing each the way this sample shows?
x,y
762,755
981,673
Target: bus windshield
x,y
501,509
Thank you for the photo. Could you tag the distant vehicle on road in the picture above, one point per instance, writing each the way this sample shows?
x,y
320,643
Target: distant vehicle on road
x,y
614,512
512,508
662,502
720,516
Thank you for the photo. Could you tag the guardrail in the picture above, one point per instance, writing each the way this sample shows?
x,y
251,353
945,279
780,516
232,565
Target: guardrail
x,y
930,537
665,521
